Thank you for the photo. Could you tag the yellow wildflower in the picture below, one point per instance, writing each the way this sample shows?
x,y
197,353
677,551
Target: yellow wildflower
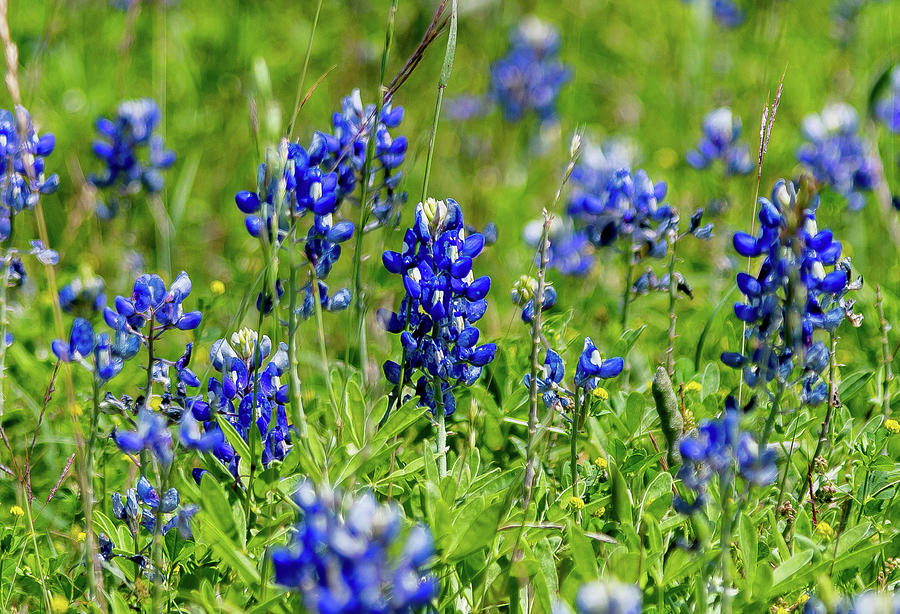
x,y
600,393
802,599
217,287
576,503
81,536
892,426
59,604
665,157
601,462
824,530
598,513
17,511
693,386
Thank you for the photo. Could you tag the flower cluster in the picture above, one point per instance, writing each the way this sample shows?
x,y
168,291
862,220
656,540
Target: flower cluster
x,y
443,301
150,302
630,209
344,151
290,184
84,295
608,597
721,141
793,294
83,344
151,434
590,370
22,178
139,509
134,157
720,448
247,392
350,554
523,294
530,76
837,155
887,109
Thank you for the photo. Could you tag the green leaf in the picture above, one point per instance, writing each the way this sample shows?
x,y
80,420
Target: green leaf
x,y
784,573
234,438
582,551
474,528
710,382
749,543
852,384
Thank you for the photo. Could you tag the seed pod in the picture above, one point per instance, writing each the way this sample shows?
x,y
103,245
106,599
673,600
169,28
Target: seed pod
x,y
669,417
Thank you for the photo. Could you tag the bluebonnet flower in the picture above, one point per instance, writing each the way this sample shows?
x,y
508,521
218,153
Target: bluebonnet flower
x,y
150,302
139,509
523,294
134,157
248,391
866,602
837,155
793,295
344,152
22,154
529,77
337,301
443,301
648,281
720,448
151,434
721,141
592,367
550,382
84,295
351,555
727,13
570,252
83,343
887,108
608,597
290,184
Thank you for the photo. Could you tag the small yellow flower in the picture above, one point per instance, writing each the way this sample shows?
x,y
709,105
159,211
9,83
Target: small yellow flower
x,y
781,610
576,503
81,536
600,393
217,287
59,604
75,409
601,462
665,157
693,386
824,530
892,426
598,513
802,599
17,511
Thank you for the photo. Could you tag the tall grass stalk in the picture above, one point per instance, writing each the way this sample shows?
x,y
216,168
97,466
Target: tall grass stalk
x,y
358,297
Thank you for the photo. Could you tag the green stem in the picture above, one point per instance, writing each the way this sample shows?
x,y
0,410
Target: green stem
x,y
573,448
626,291
673,289
725,547
320,328
886,359
826,423
293,360
441,429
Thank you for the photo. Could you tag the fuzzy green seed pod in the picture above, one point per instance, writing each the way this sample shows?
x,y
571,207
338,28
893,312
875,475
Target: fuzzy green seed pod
x,y
669,417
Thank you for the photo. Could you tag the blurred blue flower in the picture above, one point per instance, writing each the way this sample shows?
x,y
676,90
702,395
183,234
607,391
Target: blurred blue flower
x,y
151,434
887,108
720,448
550,382
529,77
22,177
721,141
351,555
727,13
83,295
837,155
134,157
83,343
608,597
